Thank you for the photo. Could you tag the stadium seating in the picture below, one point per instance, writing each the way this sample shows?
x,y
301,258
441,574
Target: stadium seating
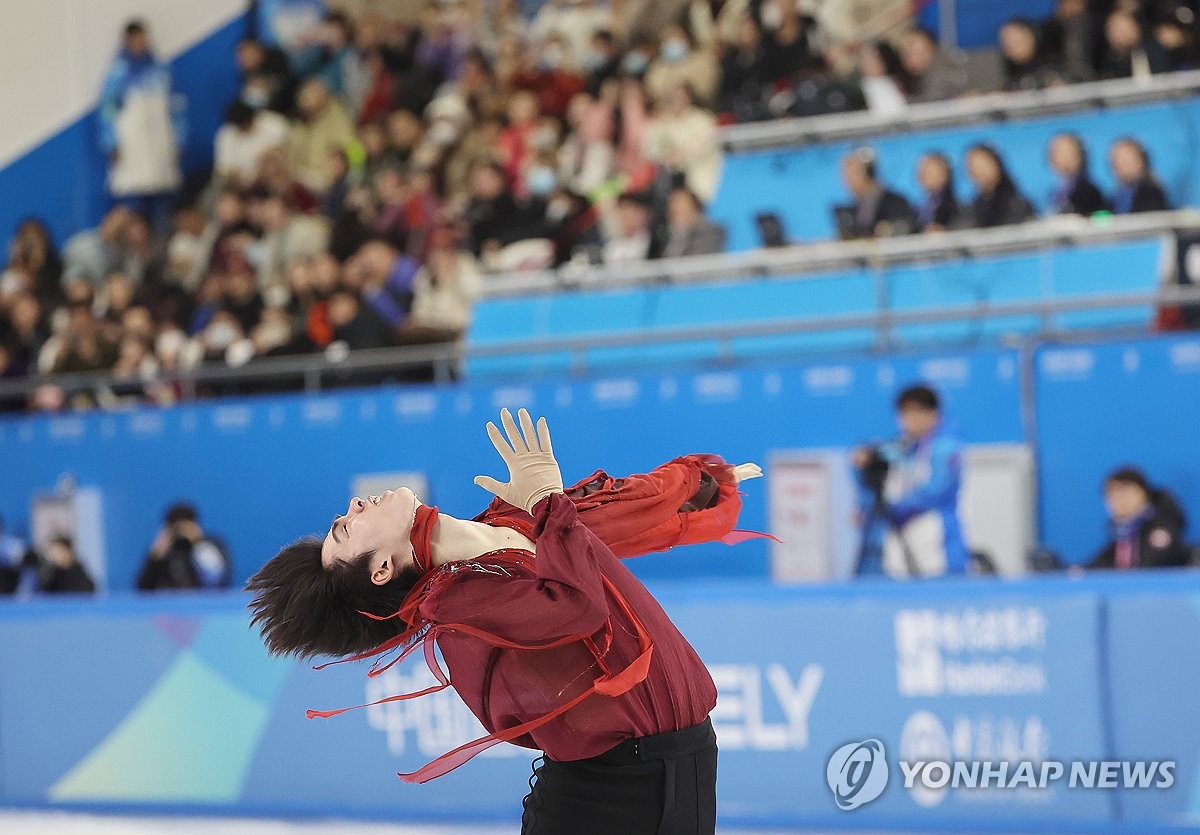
x,y
1127,267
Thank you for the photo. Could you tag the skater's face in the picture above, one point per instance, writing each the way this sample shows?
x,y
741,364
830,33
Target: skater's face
x,y
379,524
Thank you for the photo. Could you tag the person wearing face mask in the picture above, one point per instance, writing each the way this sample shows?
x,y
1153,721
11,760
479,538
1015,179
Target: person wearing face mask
x,y
637,59
267,78
550,78
540,178
573,22
221,332
601,61
679,62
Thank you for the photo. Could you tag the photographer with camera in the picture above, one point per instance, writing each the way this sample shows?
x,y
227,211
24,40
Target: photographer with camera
x,y
909,494
183,556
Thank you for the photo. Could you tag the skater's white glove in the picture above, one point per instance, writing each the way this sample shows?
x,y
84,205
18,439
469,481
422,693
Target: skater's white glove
x,y
744,471
533,473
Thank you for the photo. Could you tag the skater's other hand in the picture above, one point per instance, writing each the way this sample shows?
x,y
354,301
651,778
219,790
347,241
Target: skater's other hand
x,y
533,472
745,471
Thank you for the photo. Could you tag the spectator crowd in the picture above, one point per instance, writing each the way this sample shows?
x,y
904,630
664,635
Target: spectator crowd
x,y
375,168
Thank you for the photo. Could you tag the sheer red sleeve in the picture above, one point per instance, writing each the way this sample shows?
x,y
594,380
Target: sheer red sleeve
x,y
685,501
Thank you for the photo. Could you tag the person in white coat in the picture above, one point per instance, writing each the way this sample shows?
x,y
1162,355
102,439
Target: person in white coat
x,y
142,129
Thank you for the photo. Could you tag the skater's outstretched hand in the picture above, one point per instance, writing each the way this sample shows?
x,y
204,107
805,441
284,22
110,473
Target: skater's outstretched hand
x,y
744,471
533,473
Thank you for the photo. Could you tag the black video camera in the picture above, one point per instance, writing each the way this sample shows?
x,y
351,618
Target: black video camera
x,y
875,470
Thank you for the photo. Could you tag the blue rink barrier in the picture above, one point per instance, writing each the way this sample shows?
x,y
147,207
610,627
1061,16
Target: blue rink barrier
x,y
172,704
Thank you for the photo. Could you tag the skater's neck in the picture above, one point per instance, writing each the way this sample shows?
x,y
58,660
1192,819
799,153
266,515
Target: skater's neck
x,y
454,540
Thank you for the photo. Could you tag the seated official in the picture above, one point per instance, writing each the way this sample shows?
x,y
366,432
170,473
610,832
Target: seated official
x,y
1147,525
1076,193
1138,190
997,200
875,211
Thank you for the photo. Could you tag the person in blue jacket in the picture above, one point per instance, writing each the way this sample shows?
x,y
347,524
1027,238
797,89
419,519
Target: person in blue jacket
x,y
909,494
142,129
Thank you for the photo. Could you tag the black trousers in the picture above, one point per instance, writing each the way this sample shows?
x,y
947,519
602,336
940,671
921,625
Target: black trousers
x,y
652,785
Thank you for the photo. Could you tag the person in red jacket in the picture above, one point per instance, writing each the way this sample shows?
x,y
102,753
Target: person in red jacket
x,y
550,641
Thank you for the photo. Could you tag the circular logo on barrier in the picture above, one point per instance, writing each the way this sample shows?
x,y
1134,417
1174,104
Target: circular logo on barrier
x,y
924,739
857,773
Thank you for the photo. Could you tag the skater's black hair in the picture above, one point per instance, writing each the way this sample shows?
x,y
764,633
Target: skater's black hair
x,y
304,609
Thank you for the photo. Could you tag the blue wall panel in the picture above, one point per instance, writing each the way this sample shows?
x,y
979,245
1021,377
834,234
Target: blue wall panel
x,y
172,704
1102,406
267,470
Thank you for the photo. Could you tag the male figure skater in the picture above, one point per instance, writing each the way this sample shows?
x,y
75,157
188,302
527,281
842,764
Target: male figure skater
x,y
552,643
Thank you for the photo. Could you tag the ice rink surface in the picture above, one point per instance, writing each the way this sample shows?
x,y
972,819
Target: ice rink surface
x,y
69,823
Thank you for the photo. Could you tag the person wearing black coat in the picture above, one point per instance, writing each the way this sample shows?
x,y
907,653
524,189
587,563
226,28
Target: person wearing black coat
x,y
876,211
493,216
184,557
61,571
1138,190
1147,525
1127,52
939,210
997,201
743,75
1076,193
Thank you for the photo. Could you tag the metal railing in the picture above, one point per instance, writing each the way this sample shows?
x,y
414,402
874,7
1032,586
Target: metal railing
x,y
992,107
316,371
1056,231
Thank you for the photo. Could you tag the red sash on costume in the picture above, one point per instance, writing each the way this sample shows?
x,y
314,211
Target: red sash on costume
x,y
423,634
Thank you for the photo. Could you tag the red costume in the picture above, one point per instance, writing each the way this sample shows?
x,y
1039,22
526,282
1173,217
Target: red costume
x,y
567,652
